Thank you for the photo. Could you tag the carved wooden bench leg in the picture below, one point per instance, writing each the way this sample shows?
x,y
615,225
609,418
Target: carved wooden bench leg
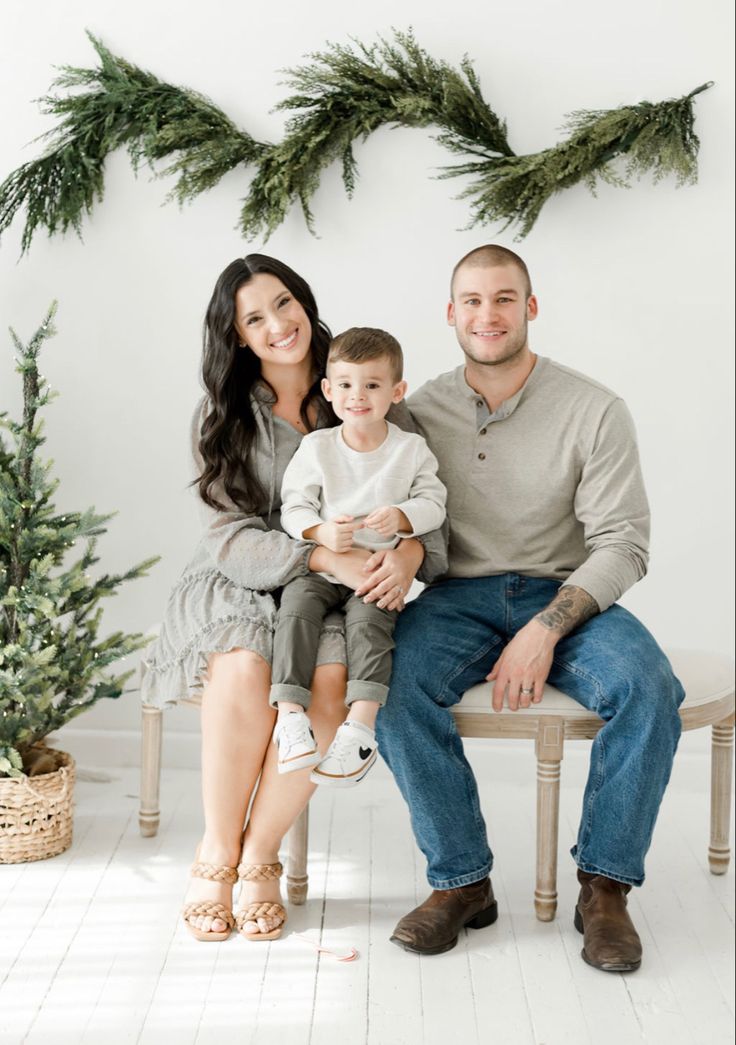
x,y
296,867
149,814
549,750
721,769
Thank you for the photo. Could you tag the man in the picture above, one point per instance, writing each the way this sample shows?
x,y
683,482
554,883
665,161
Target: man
x,y
549,525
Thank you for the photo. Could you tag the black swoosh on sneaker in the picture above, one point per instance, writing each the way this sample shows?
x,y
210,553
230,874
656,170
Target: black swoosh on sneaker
x,y
365,752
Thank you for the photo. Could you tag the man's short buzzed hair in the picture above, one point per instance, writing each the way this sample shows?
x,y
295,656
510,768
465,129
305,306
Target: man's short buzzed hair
x,y
487,256
361,344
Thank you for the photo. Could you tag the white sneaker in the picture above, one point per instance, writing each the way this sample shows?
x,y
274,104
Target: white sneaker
x,y
349,757
295,740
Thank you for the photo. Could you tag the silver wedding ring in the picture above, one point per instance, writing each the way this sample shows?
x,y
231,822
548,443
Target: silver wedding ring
x,y
526,692
399,589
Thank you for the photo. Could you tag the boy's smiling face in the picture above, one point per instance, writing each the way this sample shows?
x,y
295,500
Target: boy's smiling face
x,y
361,393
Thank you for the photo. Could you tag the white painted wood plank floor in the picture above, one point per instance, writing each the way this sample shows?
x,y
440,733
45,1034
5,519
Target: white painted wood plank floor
x,y
92,951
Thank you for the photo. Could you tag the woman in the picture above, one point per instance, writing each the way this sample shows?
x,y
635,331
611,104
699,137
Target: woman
x,y
265,349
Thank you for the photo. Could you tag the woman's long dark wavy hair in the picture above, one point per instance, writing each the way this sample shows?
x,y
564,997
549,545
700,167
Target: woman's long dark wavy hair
x,y
229,372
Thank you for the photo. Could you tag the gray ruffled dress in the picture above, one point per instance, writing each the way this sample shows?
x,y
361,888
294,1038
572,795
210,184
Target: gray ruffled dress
x,y
225,598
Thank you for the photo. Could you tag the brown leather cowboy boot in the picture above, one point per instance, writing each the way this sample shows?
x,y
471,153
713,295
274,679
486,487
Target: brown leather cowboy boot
x,y
434,926
611,942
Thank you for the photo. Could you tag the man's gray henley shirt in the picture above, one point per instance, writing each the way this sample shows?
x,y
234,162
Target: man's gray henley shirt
x,y
549,485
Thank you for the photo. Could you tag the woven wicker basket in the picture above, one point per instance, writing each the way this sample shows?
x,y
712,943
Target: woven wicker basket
x,y
36,813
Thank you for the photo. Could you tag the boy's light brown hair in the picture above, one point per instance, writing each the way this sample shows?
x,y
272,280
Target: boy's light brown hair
x,y
361,344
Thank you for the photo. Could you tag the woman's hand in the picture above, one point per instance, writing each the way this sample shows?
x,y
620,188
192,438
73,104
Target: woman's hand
x,y
347,566
390,574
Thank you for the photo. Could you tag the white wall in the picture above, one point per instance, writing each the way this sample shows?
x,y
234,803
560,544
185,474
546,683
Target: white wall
x,y
635,287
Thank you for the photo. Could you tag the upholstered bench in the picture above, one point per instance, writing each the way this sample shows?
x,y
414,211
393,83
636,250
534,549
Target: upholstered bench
x,y
708,680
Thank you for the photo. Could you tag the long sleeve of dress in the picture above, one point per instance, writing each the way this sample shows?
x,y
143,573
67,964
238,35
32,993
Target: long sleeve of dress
x,y
244,547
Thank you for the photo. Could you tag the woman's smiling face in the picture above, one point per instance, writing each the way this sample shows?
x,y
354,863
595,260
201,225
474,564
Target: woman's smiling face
x,y
270,321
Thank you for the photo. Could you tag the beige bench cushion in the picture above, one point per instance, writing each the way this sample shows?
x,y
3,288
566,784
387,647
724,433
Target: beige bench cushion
x,y
707,677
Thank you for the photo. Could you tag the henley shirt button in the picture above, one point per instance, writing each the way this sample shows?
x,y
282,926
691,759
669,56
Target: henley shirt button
x,y
481,457
483,431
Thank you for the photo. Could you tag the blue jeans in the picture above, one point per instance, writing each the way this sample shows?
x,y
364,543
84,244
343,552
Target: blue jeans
x,y
447,640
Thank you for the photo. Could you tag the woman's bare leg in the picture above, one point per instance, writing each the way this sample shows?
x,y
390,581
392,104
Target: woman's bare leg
x,y
237,723
280,798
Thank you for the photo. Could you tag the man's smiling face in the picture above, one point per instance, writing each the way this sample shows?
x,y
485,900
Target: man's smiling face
x,y
490,311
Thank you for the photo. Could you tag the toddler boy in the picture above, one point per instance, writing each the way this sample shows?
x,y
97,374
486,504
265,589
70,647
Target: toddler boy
x,y
365,483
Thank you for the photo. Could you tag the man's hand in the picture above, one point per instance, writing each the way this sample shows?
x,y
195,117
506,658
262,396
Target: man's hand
x,y
523,667
347,566
524,664
388,521
337,534
388,575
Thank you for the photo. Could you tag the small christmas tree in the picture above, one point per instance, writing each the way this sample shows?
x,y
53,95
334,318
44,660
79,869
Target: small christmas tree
x,y
52,664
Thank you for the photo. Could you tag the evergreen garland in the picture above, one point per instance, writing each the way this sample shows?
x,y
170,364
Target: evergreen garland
x,y
341,96
344,96
657,138
121,106
52,663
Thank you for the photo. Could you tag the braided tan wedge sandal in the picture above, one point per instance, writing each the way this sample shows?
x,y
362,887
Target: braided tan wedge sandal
x,y
213,873
260,908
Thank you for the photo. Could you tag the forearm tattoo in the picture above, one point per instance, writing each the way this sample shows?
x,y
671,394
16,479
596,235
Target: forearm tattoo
x,y
570,608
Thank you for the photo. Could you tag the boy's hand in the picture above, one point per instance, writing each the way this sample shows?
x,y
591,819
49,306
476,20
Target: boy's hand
x,y
337,535
388,521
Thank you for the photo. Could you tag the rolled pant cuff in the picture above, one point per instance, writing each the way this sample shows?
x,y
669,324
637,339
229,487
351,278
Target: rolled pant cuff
x,y
592,869
284,691
461,880
359,689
